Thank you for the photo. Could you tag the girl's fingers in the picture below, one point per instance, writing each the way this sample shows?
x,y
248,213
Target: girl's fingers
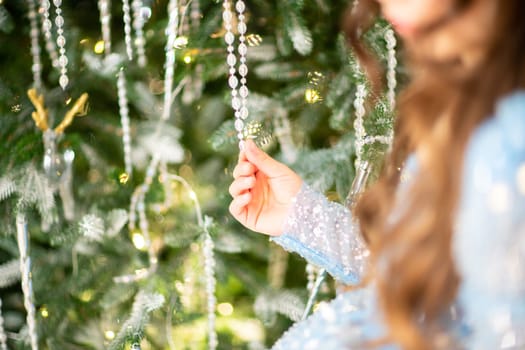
x,y
241,185
238,204
243,169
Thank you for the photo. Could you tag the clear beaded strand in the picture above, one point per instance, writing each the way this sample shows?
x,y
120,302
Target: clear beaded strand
x,y
138,25
239,103
127,28
25,270
61,43
104,6
391,67
124,119
360,132
3,337
171,32
47,26
35,46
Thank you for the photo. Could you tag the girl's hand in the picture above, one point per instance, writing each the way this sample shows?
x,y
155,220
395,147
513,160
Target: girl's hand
x,y
262,191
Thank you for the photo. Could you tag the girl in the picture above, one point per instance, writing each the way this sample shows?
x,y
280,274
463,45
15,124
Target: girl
x,y
441,242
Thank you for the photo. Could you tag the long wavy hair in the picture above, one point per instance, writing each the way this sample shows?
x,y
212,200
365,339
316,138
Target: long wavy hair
x,y
444,102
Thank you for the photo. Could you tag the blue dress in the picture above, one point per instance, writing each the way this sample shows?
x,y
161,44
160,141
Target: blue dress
x,y
488,249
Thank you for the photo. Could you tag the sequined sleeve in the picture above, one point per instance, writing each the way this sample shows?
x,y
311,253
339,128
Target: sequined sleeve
x,y
324,233
489,243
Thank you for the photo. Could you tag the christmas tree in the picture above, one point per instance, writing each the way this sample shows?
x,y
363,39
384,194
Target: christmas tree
x,y
118,141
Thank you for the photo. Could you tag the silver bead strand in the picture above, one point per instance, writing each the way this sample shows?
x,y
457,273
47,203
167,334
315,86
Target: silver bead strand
x,y
104,6
47,26
35,46
127,28
239,103
360,132
124,119
63,81
138,25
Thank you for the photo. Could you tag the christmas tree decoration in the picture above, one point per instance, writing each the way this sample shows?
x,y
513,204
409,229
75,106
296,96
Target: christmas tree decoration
x,y
127,28
360,132
171,32
239,103
104,7
25,270
140,15
124,120
391,67
63,81
35,46
47,26
9,273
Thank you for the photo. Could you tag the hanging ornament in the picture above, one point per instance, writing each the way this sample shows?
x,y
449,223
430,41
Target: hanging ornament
x,y
124,119
35,46
3,337
239,96
47,26
391,68
127,28
104,7
171,32
139,17
25,270
359,128
61,43
58,167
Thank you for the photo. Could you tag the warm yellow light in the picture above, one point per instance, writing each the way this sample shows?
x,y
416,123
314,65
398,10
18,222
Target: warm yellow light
x,y
138,241
110,335
193,196
99,47
86,295
187,59
254,39
225,309
180,42
84,41
123,178
312,96
44,312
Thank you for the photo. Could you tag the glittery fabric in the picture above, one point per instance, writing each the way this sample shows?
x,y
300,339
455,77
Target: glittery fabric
x,y
488,248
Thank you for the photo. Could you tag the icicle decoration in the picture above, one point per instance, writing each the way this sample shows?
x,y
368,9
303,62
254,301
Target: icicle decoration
x,y
35,47
124,119
171,32
25,270
209,272
3,337
138,25
313,295
104,7
360,133
240,96
127,28
391,67
61,43
47,26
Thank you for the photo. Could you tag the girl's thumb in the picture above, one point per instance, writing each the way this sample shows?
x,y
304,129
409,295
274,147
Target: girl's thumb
x,y
261,160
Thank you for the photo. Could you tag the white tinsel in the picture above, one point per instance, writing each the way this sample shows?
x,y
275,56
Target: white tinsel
x,y
284,302
171,32
9,273
25,270
124,120
7,187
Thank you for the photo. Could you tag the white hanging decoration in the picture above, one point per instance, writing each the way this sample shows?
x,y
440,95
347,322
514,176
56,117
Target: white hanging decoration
x,y
209,272
391,68
63,81
25,270
104,7
195,15
127,28
171,32
124,120
35,46
3,337
47,26
239,96
139,15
